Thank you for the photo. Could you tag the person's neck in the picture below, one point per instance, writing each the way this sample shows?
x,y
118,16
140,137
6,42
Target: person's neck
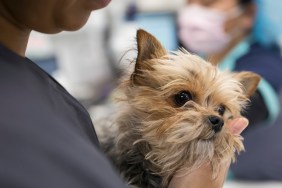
x,y
12,35
218,57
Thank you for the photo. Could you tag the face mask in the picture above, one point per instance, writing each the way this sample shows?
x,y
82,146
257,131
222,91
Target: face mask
x,y
201,29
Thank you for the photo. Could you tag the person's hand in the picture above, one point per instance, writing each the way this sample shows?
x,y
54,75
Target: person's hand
x,y
202,177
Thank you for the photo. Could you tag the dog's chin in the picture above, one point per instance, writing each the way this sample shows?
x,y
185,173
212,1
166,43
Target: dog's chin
x,y
211,135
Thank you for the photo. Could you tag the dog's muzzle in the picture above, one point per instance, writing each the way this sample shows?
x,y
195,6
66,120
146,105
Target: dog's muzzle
x,y
216,123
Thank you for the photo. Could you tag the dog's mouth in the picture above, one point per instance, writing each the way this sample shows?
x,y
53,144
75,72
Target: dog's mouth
x,y
210,133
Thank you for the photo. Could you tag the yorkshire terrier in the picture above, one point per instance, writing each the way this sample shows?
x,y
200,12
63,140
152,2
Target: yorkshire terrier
x,y
173,114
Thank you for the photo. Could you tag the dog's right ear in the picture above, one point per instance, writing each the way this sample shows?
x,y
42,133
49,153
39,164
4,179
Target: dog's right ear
x,y
148,48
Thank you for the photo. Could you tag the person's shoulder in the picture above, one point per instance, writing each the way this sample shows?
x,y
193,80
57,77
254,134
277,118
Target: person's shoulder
x,y
259,53
260,58
265,61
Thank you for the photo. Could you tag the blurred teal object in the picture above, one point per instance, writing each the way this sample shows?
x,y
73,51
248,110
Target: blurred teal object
x,y
268,24
162,25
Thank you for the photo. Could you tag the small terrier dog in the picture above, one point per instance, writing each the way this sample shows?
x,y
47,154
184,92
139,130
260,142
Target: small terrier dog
x,y
173,114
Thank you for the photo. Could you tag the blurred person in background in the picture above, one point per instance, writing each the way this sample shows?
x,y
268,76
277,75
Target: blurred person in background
x,y
223,31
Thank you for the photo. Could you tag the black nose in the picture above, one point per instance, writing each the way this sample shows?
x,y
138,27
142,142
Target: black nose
x,y
216,123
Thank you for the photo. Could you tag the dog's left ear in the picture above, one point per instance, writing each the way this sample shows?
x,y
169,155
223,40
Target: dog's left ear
x,y
148,48
249,80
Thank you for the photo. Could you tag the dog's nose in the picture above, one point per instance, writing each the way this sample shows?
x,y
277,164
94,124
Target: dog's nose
x,y
216,123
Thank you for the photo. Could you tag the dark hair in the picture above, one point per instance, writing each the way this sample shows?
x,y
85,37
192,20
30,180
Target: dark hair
x,y
245,2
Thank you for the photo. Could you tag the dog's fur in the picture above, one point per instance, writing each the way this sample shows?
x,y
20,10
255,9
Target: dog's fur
x,y
153,137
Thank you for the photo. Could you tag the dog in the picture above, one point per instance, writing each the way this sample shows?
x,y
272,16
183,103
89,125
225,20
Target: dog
x,y
172,115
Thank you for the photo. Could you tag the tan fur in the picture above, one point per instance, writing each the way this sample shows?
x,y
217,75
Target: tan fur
x,y
173,138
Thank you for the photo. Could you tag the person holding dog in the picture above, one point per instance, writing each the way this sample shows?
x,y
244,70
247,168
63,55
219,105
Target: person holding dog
x,y
46,137
231,34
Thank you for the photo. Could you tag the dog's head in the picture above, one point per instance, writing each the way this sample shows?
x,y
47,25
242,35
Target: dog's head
x,y
181,105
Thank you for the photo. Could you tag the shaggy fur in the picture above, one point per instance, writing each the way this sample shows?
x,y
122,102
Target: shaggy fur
x,y
153,137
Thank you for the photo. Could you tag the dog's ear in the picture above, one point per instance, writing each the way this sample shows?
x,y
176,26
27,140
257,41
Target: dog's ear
x,y
249,80
148,48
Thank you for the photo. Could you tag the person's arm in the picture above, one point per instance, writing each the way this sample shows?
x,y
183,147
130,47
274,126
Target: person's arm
x,y
202,177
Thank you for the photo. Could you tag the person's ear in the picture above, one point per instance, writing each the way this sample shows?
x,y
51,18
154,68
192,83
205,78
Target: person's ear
x,y
248,16
244,21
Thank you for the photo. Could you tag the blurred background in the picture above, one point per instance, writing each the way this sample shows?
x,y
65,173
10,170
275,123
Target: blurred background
x,y
89,62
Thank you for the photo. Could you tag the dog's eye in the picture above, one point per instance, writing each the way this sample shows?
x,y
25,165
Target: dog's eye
x,y
182,97
221,110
